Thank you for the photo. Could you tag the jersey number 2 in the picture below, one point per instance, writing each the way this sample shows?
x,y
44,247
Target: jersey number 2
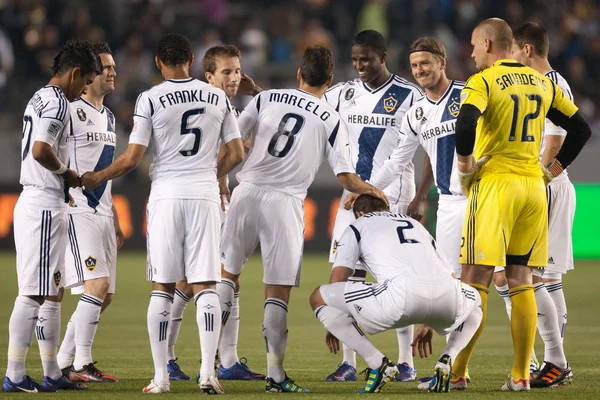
x,y
290,134
197,132
513,129
400,231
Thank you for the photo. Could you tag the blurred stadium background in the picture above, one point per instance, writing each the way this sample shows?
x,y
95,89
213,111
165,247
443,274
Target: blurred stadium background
x,y
272,35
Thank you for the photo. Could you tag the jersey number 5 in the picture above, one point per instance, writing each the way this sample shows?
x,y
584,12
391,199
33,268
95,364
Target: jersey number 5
x,y
197,132
290,135
533,115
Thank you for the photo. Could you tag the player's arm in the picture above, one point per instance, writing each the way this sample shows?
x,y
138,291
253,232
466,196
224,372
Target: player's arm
x,y
248,87
347,255
117,224
553,145
234,147
416,208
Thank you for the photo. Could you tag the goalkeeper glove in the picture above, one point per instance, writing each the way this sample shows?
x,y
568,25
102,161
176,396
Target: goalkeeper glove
x,y
466,178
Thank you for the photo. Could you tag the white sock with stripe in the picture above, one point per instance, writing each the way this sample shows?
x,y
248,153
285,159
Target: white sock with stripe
x,y
159,315
47,332
20,334
462,335
180,301
503,292
548,327
405,339
86,317
208,317
275,331
229,339
66,353
555,290
344,327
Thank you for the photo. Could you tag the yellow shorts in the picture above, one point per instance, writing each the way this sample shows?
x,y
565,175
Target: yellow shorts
x,y
506,222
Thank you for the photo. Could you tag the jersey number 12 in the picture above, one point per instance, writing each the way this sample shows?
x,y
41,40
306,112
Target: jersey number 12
x,y
533,115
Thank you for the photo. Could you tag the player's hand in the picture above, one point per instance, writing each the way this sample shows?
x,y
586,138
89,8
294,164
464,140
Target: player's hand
x,y
422,342
466,178
224,192
248,87
552,170
332,343
375,192
349,200
90,180
71,178
416,208
71,200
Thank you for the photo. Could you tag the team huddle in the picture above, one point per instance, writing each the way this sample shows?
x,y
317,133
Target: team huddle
x,y
497,148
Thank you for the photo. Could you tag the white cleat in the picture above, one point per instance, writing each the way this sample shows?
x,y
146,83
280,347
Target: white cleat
x,y
442,373
210,385
519,385
157,387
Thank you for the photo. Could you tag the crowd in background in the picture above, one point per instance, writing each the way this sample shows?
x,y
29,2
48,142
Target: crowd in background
x,y
272,35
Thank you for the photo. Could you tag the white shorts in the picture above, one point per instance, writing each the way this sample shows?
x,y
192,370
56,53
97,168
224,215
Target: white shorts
x,y
344,217
183,241
450,217
40,241
561,212
273,219
443,305
91,251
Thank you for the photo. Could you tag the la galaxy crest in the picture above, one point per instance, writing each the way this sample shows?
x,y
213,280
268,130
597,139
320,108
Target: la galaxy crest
x,y
390,103
57,278
90,263
81,114
454,108
349,94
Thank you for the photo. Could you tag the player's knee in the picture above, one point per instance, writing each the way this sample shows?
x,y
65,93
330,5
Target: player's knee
x,y
316,300
107,301
185,287
97,287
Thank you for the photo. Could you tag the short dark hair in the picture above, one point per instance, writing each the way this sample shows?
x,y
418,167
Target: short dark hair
x,y
209,62
535,35
101,48
430,45
366,203
76,53
174,49
372,39
317,65
499,32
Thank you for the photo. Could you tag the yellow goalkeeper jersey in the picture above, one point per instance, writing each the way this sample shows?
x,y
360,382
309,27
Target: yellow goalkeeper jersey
x,y
513,100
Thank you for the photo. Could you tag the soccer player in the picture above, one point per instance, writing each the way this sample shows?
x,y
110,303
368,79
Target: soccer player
x,y
372,106
430,122
222,69
292,130
414,285
41,216
93,227
183,209
506,223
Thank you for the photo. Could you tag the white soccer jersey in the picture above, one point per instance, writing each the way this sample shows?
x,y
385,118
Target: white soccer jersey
x,y
431,124
551,129
390,245
46,120
373,118
186,119
293,131
93,141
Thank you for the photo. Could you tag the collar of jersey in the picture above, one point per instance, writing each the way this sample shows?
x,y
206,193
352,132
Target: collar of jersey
x,y
448,90
55,86
181,80
380,87
304,91
506,60
91,105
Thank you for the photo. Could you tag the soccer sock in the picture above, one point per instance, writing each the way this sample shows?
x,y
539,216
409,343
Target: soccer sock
x,y
229,338
503,292
67,348
523,327
548,327
346,329
180,301
405,339
208,313
48,334
20,331
461,362
275,331
86,317
457,340
159,315
555,290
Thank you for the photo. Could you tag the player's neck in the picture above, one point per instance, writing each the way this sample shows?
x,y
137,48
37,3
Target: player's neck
x,y
436,92
96,101
60,82
177,72
380,80
541,65
315,91
495,57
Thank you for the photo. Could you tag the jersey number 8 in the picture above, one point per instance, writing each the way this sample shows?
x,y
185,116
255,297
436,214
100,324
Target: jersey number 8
x,y
283,130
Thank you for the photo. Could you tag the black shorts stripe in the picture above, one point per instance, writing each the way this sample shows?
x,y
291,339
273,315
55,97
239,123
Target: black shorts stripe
x,y
75,249
549,200
471,225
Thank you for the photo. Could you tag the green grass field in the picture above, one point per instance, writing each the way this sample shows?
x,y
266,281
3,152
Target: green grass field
x,y
121,346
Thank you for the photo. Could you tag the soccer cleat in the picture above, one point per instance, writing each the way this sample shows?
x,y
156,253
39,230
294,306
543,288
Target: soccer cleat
x,y
175,373
210,385
407,373
519,385
27,385
377,378
424,382
157,388
287,386
345,372
549,376
73,376
460,383
239,372
442,373
93,374
534,366
62,383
